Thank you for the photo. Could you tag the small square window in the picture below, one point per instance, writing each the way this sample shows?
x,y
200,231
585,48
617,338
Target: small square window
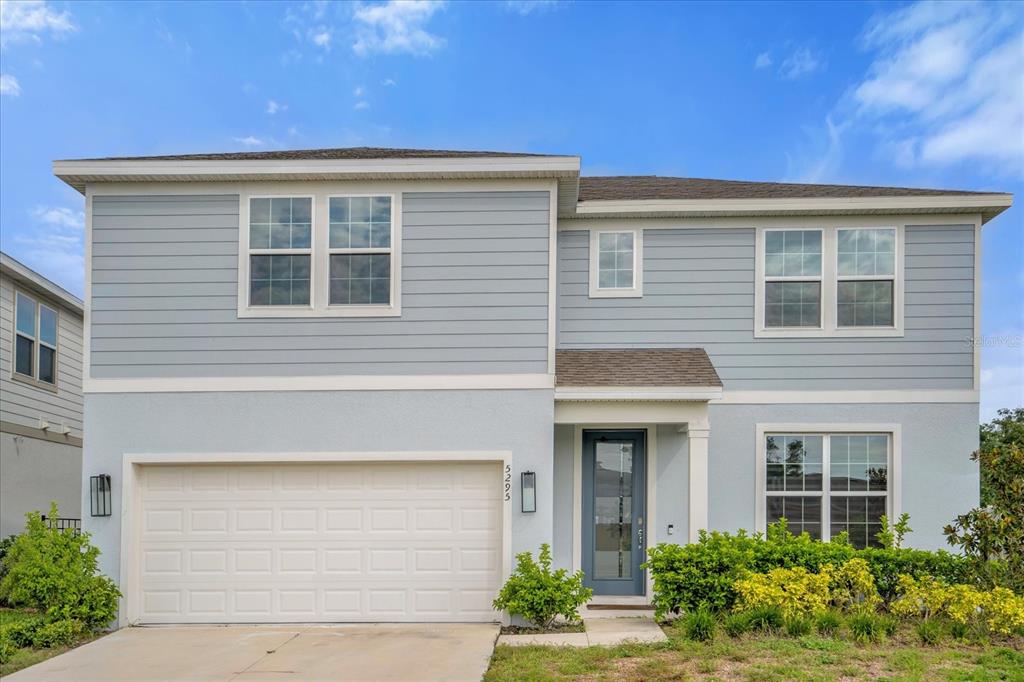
x,y
616,261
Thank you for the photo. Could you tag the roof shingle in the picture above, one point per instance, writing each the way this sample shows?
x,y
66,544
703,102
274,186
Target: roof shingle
x,y
640,187
330,154
635,367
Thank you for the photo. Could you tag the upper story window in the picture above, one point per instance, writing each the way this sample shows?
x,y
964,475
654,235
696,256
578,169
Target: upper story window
x,y
866,271
280,251
829,281
319,256
360,250
792,269
616,263
35,341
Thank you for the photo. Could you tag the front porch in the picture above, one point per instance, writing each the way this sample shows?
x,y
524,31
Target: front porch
x,y
630,463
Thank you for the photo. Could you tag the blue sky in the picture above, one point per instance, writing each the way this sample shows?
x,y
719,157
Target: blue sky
x,y
920,94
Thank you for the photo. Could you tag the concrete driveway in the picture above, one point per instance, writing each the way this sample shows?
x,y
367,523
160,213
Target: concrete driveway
x,y
410,653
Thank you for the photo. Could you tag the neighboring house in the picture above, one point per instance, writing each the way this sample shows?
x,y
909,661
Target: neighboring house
x,y
350,384
40,397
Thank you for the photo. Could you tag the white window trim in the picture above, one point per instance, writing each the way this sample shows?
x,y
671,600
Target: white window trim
x,y
635,291
369,310
894,498
829,287
319,252
37,343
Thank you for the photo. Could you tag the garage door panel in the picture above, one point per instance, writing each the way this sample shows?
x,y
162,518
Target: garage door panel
x,y
320,542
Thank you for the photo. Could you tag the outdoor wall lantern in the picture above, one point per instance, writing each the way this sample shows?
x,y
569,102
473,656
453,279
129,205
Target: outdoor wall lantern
x,y
529,484
99,495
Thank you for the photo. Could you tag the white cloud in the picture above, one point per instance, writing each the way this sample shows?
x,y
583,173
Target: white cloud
x,y
763,61
947,76
388,82
29,20
59,215
524,7
359,91
55,246
9,85
249,141
274,106
396,27
322,38
800,63
361,104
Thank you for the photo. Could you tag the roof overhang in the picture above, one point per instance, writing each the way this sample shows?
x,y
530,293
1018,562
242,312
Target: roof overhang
x,y
638,393
34,282
988,205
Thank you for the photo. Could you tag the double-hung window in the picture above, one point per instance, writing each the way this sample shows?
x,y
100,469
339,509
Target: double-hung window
x,y
828,483
321,255
616,263
359,244
35,341
792,287
280,251
866,271
828,281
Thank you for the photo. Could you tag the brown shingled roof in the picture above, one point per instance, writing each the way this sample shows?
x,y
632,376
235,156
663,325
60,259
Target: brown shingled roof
x,y
634,187
635,367
323,155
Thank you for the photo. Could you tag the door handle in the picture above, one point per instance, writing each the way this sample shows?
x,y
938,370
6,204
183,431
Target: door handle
x,y
640,537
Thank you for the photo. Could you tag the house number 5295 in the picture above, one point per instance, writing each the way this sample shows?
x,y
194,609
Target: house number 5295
x,y
508,482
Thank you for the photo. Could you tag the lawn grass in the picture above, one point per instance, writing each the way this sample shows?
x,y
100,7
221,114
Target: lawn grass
x,y
766,658
27,656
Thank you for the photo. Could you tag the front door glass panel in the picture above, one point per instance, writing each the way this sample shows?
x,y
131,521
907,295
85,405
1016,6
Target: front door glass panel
x,y
613,510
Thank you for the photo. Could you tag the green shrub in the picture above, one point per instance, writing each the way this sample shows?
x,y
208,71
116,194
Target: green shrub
x,y
992,535
538,594
21,633
57,633
887,565
929,631
736,624
827,623
889,625
765,618
798,626
959,630
55,571
866,627
699,625
7,649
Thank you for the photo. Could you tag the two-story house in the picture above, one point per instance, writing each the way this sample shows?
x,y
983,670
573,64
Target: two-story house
x,y
350,384
40,397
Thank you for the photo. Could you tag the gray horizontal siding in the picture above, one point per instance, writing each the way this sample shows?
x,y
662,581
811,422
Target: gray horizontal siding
x,y
474,294
699,291
24,404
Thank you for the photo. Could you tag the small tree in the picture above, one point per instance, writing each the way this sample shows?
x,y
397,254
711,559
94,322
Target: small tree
x,y
55,571
992,536
538,594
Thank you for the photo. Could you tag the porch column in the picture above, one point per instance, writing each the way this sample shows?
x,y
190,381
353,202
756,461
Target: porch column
x,y
698,433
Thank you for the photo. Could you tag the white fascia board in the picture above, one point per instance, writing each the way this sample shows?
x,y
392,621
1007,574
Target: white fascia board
x,y
634,393
22,273
990,204
925,395
78,172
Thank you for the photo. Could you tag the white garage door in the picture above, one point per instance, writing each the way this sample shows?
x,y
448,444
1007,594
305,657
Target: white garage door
x,y
319,542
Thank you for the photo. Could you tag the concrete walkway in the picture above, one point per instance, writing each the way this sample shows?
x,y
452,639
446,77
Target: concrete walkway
x,y
598,631
406,653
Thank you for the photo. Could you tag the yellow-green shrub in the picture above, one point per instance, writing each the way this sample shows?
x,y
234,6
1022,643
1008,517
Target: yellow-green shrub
x,y
851,586
997,611
794,591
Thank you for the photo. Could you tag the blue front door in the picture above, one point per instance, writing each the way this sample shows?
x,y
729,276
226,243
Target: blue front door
x,y
614,510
